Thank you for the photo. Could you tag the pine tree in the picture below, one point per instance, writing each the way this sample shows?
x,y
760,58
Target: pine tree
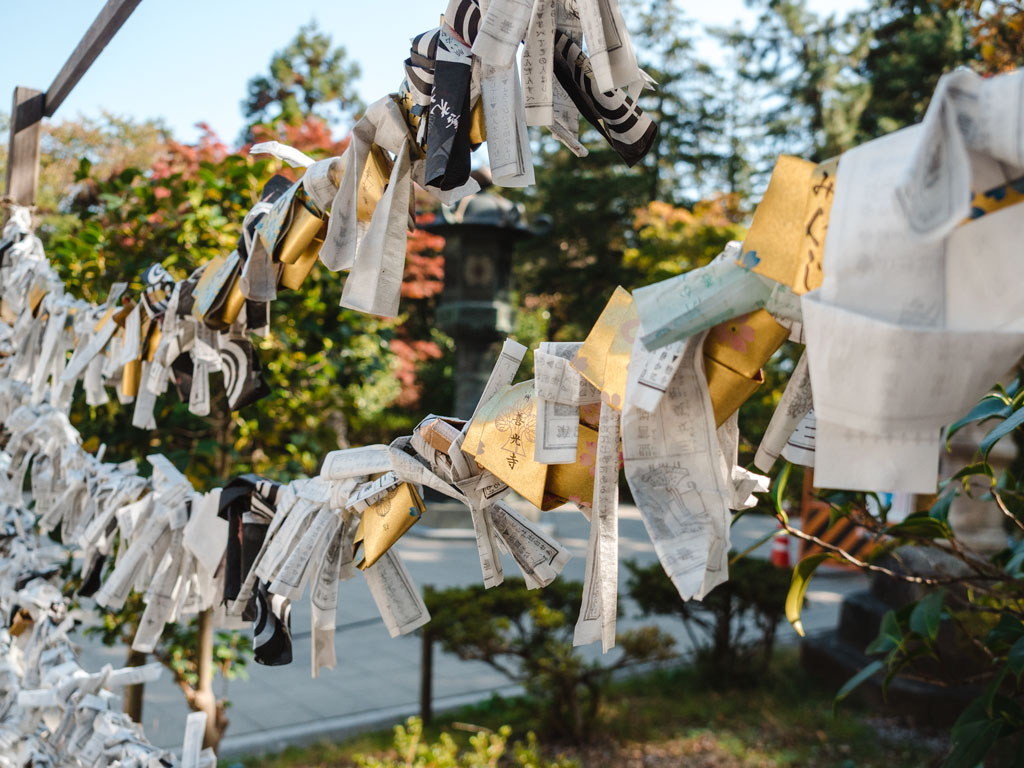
x,y
307,78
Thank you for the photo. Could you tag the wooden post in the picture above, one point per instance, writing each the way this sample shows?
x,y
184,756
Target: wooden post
x,y
30,106
102,30
23,154
426,677
206,700
134,695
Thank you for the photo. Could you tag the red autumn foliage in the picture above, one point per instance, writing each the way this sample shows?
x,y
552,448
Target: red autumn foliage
x,y
423,279
410,353
185,158
424,264
312,136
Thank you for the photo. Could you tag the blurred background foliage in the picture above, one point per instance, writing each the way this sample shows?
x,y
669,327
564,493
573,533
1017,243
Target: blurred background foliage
x,y
117,195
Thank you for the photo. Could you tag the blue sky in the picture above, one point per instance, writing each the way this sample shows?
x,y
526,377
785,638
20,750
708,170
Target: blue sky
x,y
188,61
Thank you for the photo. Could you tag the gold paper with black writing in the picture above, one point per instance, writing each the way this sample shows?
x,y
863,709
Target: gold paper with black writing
x,y
386,521
603,360
786,241
501,439
816,215
734,352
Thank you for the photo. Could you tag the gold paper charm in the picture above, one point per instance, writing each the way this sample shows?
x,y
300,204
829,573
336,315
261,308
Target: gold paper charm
x,y
501,438
734,352
603,360
786,241
386,521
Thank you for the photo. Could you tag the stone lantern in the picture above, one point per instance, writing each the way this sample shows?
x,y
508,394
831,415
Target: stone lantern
x,y
475,307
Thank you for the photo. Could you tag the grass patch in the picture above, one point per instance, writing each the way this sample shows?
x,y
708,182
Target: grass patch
x,y
678,717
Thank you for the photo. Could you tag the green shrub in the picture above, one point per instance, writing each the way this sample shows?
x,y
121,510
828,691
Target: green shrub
x,y
527,635
487,750
733,628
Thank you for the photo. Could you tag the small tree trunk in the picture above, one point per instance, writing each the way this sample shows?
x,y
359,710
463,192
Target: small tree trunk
x,y
205,700
575,708
723,631
133,694
769,642
427,677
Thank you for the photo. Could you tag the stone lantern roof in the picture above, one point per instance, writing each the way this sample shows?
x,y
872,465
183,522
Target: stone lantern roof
x,y
483,209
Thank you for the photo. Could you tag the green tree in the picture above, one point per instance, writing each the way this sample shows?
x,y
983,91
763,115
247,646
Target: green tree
x,y
733,628
109,142
806,96
914,42
671,239
695,156
997,29
308,77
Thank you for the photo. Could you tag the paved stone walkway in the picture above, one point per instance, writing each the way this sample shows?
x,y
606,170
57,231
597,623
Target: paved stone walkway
x,y
376,682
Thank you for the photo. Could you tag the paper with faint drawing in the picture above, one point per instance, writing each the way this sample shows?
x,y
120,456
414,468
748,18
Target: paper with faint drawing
x,y
675,469
397,597
539,556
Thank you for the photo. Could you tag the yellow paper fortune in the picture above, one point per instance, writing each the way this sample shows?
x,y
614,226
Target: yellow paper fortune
x,y
477,126
373,182
786,241
386,521
734,352
305,225
501,439
603,360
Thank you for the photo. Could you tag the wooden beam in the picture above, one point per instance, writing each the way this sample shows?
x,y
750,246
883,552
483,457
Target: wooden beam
x,y
23,154
109,20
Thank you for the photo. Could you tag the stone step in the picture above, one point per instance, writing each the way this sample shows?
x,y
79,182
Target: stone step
x,y
923,704
859,619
